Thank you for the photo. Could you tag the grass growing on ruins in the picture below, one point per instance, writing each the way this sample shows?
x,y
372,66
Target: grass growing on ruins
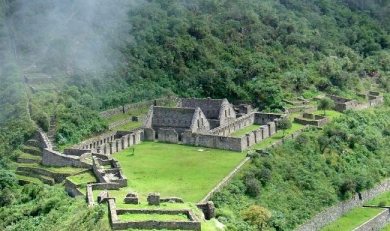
x,y
29,156
279,135
175,170
245,130
352,219
53,169
329,113
83,178
387,228
29,179
152,216
381,200
128,126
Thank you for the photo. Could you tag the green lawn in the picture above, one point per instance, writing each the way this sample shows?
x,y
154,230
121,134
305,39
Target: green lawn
x,y
152,216
352,219
29,156
387,228
329,113
83,178
245,130
265,143
53,169
383,199
174,170
128,126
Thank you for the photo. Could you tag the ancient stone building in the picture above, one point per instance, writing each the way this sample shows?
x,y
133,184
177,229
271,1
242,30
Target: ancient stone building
x,y
218,112
167,124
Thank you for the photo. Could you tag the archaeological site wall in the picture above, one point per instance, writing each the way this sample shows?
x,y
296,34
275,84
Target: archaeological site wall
x,y
37,80
311,119
57,159
331,214
116,224
342,104
376,223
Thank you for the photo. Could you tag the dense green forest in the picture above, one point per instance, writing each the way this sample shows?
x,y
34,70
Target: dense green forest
x,y
102,54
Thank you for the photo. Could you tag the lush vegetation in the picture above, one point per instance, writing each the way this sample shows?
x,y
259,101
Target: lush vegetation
x,y
316,170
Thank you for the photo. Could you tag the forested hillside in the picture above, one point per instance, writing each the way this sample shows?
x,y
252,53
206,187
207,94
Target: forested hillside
x,y
102,54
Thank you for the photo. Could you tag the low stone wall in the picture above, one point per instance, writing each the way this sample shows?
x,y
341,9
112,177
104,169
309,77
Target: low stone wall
x,y
213,141
376,223
234,126
58,177
102,186
296,101
57,159
306,109
355,105
120,122
192,224
72,189
168,136
30,80
224,181
89,195
310,119
331,214
75,152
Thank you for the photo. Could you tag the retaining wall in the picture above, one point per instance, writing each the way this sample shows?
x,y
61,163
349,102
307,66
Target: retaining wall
x,y
192,224
57,159
72,189
58,177
376,223
331,214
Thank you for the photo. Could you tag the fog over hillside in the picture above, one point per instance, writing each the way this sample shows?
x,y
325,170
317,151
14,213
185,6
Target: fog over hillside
x,y
69,34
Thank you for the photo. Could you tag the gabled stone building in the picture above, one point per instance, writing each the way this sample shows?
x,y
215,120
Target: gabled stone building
x,y
167,124
218,112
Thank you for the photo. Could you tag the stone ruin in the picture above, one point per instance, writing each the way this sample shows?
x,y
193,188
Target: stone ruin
x,y
154,199
131,198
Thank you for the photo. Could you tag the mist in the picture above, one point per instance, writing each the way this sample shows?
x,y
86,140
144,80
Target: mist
x,y
69,35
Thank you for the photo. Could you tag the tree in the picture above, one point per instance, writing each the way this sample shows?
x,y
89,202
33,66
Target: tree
x,y
283,124
325,104
256,215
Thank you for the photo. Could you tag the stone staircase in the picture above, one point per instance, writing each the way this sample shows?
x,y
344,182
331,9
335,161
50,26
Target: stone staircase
x,y
51,133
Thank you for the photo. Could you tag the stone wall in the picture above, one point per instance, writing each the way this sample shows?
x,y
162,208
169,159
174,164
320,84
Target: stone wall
x,y
57,159
342,104
376,223
226,113
58,177
168,136
178,118
307,109
331,214
192,224
213,141
72,189
264,118
296,101
311,119
30,80
234,126
76,152
224,181
210,107
120,122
